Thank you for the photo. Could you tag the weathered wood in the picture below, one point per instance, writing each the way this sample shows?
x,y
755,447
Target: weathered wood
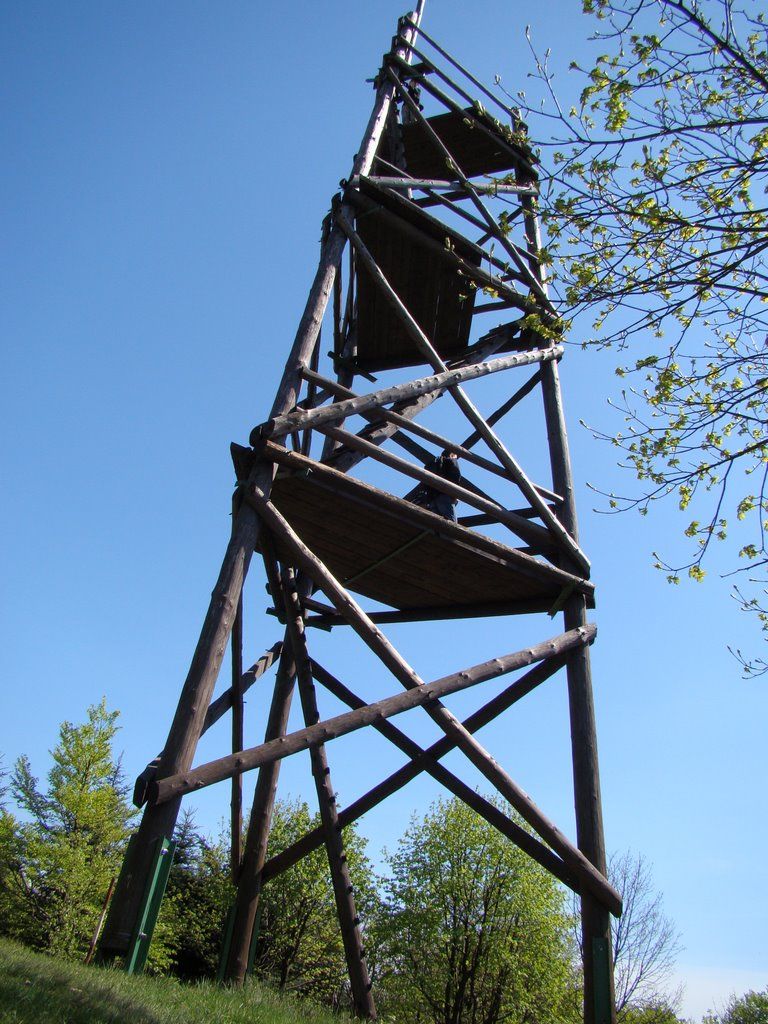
x,y
158,822
483,428
490,307
222,704
504,408
595,923
517,524
309,326
452,783
277,426
272,571
100,923
522,157
492,187
405,674
360,981
404,215
393,783
217,709
379,432
342,484
327,617
341,725
259,825
438,199
404,423
478,84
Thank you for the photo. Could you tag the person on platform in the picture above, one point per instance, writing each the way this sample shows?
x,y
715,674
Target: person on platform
x,y
445,465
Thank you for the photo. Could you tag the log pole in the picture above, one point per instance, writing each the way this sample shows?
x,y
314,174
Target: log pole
x,y
360,982
259,825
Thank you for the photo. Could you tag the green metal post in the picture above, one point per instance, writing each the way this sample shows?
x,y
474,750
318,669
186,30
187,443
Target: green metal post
x,y
138,948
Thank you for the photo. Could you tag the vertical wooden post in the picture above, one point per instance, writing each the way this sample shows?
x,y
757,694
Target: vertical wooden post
x,y
158,822
597,949
599,1001
360,982
255,853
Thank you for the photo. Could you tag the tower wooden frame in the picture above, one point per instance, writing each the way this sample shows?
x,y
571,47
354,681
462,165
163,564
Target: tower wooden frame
x,y
407,293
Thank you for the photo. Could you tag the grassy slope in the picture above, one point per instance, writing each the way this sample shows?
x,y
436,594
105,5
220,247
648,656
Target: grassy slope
x,y
36,989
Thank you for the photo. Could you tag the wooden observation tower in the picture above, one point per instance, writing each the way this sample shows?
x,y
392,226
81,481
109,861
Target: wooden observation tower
x,y
429,284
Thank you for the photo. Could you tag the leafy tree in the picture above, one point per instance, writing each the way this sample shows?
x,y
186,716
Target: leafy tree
x,y
190,929
657,218
473,931
299,945
58,861
751,1008
652,1013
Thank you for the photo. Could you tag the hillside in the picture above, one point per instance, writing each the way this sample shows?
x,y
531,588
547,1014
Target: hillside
x,y
36,989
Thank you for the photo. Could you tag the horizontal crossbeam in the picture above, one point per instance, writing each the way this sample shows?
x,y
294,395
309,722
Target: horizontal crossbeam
x,y
174,786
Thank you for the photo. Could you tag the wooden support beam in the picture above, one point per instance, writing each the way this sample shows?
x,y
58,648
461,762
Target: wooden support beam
x,y
157,823
522,158
540,853
517,524
509,111
405,674
329,619
555,527
504,408
436,198
270,751
299,419
380,430
393,783
360,981
489,187
222,704
404,423
259,825
272,571
596,940
218,708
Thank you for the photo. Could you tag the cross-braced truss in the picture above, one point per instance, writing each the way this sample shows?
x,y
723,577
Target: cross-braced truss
x,y
430,258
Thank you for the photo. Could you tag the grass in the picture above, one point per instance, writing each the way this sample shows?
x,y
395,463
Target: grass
x,y
38,989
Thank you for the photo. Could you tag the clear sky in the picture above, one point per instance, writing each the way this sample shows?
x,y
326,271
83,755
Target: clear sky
x,y
166,168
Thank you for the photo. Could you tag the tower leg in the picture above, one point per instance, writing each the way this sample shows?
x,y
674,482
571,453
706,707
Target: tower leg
x,y
595,920
342,886
158,822
255,853
599,999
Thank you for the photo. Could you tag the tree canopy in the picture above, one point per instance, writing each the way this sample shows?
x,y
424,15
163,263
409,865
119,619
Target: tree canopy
x,y
57,861
656,217
474,931
751,1008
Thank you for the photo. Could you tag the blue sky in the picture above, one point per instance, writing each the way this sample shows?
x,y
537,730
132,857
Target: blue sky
x,y
166,168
